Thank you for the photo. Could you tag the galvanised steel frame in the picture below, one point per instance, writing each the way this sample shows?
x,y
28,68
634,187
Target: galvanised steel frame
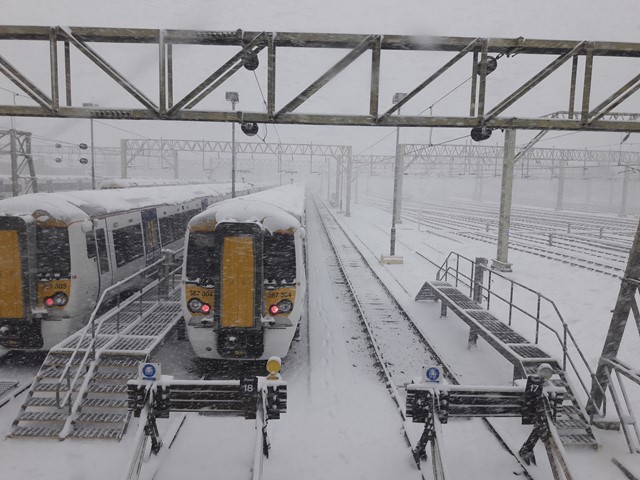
x,y
581,113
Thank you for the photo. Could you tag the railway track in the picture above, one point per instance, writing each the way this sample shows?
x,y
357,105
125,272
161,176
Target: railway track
x,y
590,254
400,348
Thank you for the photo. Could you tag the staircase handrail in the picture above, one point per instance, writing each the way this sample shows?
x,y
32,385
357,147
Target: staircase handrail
x,y
94,331
564,340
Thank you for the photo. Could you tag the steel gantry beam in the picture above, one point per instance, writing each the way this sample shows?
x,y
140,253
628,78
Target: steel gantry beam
x,y
482,53
132,148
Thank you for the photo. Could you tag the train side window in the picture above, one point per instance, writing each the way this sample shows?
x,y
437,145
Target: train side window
x,y
103,253
54,253
127,243
91,244
166,230
201,258
279,258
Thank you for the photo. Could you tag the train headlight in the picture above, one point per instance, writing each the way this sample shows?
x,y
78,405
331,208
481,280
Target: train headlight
x,y
197,306
60,299
194,305
285,306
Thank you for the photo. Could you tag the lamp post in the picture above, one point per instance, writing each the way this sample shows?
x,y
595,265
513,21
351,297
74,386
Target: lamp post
x,y
397,178
233,98
93,165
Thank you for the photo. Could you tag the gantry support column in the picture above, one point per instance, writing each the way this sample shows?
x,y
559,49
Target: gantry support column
x,y
501,262
347,212
624,304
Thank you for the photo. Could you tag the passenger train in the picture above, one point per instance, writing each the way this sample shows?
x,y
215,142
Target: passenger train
x,y
244,276
60,251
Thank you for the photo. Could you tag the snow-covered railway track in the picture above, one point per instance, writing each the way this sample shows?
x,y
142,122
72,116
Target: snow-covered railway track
x,y
606,262
400,348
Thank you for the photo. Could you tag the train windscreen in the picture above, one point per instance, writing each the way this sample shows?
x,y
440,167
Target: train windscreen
x,y
54,254
201,256
279,258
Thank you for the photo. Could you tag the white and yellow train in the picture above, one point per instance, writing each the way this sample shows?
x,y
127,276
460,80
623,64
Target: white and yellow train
x,y
60,251
244,277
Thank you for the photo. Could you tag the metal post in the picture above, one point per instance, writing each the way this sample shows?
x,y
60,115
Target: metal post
x,y
624,304
394,213
562,171
233,154
625,192
338,181
15,188
347,212
397,179
328,179
478,277
501,261
93,160
123,158
279,165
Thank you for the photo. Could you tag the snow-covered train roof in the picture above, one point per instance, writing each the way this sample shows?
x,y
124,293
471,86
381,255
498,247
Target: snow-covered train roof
x,y
277,209
70,207
148,182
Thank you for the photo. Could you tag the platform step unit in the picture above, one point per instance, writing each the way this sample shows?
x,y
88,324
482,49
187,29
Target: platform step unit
x,y
254,398
525,357
75,396
537,403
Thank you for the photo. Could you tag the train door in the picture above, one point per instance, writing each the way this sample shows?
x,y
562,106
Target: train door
x,y
151,234
104,267
237,309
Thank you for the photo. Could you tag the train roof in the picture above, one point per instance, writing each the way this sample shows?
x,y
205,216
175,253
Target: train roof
x,y
148,182
277,209
70,207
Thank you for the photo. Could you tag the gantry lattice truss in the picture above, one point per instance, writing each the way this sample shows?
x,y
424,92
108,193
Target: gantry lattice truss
x,y
454,159
581,113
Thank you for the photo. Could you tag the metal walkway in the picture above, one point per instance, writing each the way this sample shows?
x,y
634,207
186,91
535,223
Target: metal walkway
x,y
571,422
98,408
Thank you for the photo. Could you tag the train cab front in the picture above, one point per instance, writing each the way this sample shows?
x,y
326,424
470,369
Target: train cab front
x,y
19,317
223,291
35,281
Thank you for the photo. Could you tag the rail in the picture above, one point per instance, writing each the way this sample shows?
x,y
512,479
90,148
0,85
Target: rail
x,y
479,292
96,329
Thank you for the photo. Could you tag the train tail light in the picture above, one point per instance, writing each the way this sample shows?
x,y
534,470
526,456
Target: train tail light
x,y
283,306
58,299
205,308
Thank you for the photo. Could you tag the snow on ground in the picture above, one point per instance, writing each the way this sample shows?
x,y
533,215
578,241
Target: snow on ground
x,y
584,298
341,421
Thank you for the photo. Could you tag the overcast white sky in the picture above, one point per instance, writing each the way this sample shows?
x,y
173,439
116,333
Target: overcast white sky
x,y
616,20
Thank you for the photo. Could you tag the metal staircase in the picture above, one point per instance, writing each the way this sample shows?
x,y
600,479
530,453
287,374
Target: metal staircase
x,y
97,405
571,420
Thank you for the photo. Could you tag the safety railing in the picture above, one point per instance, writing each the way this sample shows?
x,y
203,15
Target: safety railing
x,y
160,267
455,266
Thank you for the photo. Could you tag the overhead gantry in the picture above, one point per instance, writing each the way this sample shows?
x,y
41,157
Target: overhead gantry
x,y
578,112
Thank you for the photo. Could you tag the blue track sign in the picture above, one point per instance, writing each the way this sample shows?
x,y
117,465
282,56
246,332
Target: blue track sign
x,y
433,374
149,372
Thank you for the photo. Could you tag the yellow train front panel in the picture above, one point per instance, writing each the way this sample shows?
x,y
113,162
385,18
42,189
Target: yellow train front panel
x,y
237,283
10,276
